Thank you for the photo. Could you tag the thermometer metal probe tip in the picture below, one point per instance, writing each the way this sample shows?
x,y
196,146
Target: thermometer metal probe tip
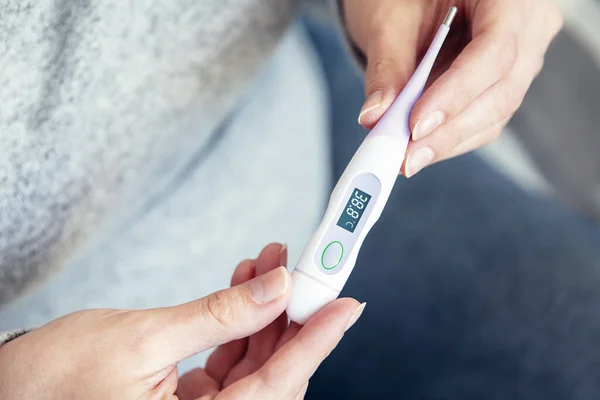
x,y
450,16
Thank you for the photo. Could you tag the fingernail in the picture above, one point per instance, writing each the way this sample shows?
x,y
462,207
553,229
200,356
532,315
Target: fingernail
x,y
371,106
283,255
427,124
355,315
270,286
417,160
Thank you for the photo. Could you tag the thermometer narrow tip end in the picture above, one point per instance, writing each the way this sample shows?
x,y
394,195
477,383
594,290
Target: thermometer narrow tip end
x,y
450,16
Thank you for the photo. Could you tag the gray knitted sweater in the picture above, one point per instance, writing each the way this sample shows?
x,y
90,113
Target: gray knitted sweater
x,y
95,99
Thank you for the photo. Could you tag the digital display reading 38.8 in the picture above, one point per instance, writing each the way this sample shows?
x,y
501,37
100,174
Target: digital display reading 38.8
x,y
357,203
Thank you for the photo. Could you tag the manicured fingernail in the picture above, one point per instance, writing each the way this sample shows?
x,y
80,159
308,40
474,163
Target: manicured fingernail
x,y
355,315
283,255
428,124
417,160
270,286
371,106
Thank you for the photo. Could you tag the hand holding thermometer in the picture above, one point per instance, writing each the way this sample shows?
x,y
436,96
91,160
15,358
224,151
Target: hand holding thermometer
x,y
358,198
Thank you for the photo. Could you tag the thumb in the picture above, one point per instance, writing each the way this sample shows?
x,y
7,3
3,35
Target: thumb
x,y
391,60
223,316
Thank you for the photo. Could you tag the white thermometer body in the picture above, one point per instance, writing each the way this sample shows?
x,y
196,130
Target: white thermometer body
x,y
358,198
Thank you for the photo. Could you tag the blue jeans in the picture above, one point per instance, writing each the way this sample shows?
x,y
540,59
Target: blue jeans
x,y
475,288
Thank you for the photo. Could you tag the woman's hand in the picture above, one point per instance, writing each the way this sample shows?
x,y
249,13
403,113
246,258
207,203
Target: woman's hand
x,y
112,354
494,51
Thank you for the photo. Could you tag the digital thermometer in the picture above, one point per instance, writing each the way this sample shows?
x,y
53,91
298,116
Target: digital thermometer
x,y
358,198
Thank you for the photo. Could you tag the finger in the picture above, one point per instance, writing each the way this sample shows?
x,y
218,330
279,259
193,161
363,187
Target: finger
x,y
243,272
250,363
226,356
497,103
271,256
262,344
553,21
391,60
489,57
288,335
483,138
196,384
168,385
291,367
221,317
485,60
302,392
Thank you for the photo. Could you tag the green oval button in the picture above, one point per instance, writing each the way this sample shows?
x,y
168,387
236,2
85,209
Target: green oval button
x,y
330,257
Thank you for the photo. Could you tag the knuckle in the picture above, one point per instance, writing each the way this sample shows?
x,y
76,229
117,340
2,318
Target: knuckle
x,y
509,97
221,309
376,71
508,53
266,377
266,388
380,65
385,33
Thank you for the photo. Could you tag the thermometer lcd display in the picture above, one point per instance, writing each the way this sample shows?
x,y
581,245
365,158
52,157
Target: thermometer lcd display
x,y
353,211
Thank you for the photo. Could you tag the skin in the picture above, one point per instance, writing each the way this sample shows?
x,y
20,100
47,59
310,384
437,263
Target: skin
x,y
494,51
118,354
